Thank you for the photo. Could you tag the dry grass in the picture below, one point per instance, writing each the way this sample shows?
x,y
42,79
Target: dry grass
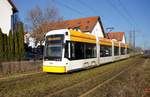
x,y
40,85
129,84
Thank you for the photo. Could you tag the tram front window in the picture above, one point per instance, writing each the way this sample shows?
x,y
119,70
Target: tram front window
x,y
53,48
53,52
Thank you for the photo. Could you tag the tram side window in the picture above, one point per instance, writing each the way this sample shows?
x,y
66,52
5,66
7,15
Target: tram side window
x,y
72,51
66,50
128,50
116,50
80,50
105,51
122,51
90,50
102,51
77,50
108,50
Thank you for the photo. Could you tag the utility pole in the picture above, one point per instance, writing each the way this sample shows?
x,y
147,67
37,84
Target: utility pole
x,y
134,40
130,39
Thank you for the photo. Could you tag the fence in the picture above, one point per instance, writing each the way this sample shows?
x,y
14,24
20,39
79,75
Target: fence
x,y
19,67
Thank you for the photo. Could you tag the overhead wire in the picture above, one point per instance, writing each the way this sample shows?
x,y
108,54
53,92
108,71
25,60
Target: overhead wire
x,y
119,12
126,17
125,10
127,13
86,6
91,9
70,8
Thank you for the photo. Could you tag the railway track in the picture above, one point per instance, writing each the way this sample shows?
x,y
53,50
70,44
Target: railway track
x,y
19,75
107,81
78,84
72,91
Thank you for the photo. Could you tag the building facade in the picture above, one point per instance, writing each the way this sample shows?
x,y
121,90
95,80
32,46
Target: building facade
x,y
30,41
89,25
118,36
8,16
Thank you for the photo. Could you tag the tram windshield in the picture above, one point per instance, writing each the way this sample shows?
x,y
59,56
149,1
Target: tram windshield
x,y
53,47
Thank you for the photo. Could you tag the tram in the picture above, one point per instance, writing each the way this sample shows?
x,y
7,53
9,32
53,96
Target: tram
x,y
69,50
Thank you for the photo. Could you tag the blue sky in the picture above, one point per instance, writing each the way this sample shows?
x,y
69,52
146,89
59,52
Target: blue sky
x,y
123,15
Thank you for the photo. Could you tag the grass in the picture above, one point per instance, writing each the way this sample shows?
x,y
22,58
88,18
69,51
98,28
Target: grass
x,y
112,70
39,85
129,84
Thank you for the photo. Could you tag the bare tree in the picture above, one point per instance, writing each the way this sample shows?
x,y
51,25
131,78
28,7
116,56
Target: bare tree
x,y
40,19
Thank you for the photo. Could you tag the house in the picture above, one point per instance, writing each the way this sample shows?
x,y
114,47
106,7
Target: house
x,y
89,25
118,36
29,40
8,16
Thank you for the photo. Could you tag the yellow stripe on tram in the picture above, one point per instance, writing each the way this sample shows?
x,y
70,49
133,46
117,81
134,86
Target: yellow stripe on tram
x,y
82,37
54,69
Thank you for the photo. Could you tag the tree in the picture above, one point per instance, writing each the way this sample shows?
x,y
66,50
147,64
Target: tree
x,y
8,49
15,39
40,19
20,33
5,47
11,46
1,45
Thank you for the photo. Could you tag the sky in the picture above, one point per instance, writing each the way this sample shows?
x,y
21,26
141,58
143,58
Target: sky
x,y
123,15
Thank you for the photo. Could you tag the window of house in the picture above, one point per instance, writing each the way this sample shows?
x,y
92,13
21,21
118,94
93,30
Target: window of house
x,y
88,21
86,27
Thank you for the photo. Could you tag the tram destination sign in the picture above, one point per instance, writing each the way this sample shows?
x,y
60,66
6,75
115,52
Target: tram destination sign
x,y
59,38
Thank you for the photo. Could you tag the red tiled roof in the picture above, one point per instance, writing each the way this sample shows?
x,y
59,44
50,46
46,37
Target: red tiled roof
x,y
116,35
13,6
84,24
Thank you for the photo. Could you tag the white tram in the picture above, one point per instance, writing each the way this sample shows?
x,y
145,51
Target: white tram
x,y
68,50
